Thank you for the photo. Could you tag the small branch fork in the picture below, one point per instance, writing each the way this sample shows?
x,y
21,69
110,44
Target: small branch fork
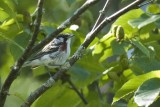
x,y
77,91
89,38
102,15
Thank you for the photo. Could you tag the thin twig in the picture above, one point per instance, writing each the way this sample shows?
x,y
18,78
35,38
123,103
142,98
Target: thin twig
x,y
66,78
77,91
101,14
15,69
50,82
65,24
91,35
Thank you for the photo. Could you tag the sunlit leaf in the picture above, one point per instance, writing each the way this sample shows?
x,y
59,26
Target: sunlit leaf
x,y
9,7
153,8
103,47
131,85
147,92
3,15
6,7
98,48
10,29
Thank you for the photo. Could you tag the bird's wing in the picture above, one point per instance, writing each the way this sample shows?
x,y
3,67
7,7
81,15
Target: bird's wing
x,y
49,48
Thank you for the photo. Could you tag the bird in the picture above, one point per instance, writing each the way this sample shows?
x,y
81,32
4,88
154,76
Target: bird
x,y
54,54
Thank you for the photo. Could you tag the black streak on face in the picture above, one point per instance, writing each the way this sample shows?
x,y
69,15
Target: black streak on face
x,y
63,46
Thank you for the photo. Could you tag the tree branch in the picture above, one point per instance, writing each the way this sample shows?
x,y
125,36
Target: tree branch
x,y
65,24
30,49
89,38
101,14
15,69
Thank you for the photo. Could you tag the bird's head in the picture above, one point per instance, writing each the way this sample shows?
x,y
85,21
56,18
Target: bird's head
x,y
62,41
64,38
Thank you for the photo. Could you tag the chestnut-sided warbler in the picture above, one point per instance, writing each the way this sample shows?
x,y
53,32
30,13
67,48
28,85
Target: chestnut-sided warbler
x,y
54,54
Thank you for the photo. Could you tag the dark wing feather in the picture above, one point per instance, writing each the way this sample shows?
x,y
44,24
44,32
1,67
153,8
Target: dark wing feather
x,y
50,48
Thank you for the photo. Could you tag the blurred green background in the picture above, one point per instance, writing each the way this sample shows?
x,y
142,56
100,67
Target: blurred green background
x,y
107,66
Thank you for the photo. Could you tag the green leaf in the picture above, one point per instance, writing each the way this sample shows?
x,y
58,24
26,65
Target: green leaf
x,y
16,52
137,21
141,47
131,85
79,75
58,96
119,48
153,8
143,21
123,20
22,40
103,48
2,35
6,7
144,64
10,29
150,20
3,15
87,72
147,92
98,48
26,85
9,7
